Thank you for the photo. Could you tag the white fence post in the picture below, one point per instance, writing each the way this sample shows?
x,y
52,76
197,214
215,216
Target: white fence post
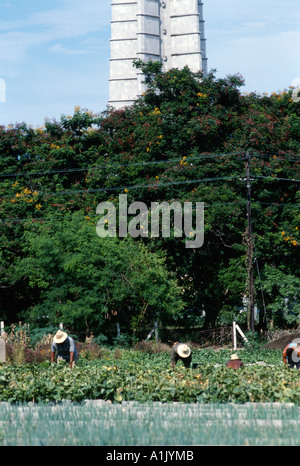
x,y
2,343
235,328
234,335
241,333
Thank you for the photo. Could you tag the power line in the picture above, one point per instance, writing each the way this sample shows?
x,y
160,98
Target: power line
x,y
275,178
157,185
136,164
207,206
116,165
127,187
274,157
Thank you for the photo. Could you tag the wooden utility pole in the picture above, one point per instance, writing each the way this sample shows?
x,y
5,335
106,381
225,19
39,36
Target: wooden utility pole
x,y
249,259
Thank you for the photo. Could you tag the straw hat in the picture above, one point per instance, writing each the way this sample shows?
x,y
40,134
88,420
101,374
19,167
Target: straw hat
x,y
234,356
183,351
60,336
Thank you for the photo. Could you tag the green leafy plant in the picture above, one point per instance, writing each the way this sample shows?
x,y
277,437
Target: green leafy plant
x,y
184,141
145,377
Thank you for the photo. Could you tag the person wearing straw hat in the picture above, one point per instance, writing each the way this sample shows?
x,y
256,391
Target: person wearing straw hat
x,y
65,348
291,355
234,362
181,351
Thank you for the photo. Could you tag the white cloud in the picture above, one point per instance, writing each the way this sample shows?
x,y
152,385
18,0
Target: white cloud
x,y
53,59
73,20
259,39
59,48
267,63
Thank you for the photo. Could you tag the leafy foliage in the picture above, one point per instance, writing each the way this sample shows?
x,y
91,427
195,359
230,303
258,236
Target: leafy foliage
x,y
184,140
148,377
84,279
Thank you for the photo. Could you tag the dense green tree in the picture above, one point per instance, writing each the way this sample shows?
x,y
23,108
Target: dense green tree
x,y
85,280
184,140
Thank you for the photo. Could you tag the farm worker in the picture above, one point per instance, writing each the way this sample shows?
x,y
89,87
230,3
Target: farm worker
x,y
182,352
65,348
234,362
290,355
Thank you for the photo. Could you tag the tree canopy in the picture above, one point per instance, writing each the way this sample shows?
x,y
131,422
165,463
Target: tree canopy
x,y
183,141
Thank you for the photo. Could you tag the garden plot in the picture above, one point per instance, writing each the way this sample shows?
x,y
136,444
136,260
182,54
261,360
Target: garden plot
x,y
102,423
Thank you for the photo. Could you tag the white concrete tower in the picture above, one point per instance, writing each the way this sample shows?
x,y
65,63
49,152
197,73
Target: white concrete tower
x,y
170,31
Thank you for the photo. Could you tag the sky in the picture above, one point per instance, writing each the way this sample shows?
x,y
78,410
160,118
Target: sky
x,y
54,54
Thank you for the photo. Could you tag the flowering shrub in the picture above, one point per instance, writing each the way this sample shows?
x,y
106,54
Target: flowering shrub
x,y
184,140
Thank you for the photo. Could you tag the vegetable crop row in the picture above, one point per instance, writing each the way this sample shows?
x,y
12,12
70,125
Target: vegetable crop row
x,y
143,377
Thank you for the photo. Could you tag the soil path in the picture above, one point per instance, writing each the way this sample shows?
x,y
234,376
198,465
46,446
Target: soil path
x,y
281,343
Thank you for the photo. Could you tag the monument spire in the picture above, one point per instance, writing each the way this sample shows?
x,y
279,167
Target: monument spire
x,y
169,31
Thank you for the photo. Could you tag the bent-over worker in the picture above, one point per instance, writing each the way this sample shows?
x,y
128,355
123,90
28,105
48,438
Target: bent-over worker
x,y
182,352
291,354
234,362
65,348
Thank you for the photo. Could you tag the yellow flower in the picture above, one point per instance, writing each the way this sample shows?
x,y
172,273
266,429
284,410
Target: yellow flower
x,y
126,190
38,206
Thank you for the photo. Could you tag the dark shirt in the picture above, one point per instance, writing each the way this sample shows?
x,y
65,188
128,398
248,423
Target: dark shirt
x,y
175,357
64,349
292,353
